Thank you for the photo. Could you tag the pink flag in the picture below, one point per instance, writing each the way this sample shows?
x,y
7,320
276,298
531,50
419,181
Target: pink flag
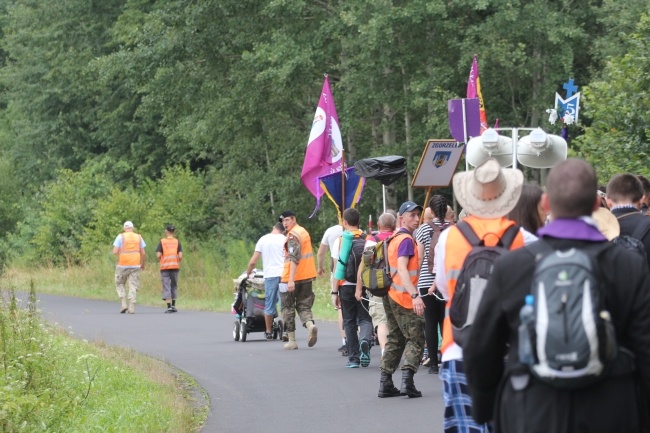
x,y
474,91
325,147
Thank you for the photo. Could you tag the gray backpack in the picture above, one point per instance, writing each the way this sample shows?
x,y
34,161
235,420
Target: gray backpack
x,y
571,332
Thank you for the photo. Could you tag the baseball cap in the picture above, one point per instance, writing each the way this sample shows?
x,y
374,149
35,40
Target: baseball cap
x,y
170,228
409,206
285,214
128,225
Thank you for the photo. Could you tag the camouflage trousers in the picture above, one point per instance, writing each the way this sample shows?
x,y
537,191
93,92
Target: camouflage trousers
x,y
300,300
405,337
124,274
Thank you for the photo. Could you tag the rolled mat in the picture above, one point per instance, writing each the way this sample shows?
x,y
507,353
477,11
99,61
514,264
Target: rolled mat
x,y
344,253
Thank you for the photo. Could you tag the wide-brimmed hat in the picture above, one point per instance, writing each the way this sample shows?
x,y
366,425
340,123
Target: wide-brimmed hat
x,y
488,191
606,222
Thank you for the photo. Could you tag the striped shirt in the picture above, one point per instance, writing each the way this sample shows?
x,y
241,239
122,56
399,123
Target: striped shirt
x,y
423,237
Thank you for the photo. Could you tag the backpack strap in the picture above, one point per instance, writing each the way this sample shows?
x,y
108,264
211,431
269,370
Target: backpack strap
x,y
639,231
468,232
509,236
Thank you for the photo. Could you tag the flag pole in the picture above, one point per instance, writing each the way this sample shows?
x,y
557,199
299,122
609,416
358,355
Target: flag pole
x,y
342,182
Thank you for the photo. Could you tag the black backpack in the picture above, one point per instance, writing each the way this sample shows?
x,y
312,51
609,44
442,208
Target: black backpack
x,y
355,257
473,276
633,241
570,332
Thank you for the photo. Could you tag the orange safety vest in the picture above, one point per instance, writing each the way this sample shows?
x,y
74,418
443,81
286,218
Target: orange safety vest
x,y
457,248
169,258
306,269
129,254
397,290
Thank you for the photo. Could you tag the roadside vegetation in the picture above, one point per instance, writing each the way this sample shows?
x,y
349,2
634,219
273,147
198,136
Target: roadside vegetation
x,y
53,382
205,282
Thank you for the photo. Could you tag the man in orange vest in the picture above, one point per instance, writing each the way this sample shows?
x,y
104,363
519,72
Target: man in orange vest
x,y
296,291
170,254
404,308
129,248
487,194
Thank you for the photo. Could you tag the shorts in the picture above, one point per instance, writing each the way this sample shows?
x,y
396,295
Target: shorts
x,y
376,310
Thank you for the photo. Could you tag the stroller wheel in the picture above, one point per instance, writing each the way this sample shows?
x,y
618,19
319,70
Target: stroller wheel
x,y
242,331
235,330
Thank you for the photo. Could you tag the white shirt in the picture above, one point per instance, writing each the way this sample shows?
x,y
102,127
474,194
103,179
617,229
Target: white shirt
x,y
330,236
271,246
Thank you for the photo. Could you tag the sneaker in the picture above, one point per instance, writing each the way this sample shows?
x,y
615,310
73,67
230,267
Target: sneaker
x,y
268,335
352,364
364,347
433,369
342,348
169,310
344,352
174,310
426,362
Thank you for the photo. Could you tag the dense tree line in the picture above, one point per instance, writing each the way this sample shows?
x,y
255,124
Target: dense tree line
x,y
198,112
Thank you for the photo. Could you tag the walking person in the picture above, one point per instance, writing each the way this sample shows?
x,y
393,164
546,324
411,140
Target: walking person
x,y
331,235
356,319
404,308
298,274
271,248
509,393
487,194
129,249
434,303
386,226
170,253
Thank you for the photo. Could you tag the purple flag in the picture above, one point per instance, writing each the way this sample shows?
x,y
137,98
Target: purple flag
x,y
470,120
324,153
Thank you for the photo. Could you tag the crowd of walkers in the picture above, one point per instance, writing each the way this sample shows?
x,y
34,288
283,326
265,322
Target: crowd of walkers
x,y
551,333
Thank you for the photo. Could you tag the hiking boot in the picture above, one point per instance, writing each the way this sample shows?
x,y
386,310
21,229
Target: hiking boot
x,y
386,386
285,337
131,308
291,344
433,369
364,348
408,387
352,364
124,306
312,333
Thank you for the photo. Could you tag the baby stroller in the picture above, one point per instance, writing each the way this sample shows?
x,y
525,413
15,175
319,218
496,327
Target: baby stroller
x,y
249,307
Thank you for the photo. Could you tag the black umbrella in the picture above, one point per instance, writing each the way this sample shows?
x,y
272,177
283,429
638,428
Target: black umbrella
x,y
386,169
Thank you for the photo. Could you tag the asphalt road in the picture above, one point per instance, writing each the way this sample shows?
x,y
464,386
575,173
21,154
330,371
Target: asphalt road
x,y
257,386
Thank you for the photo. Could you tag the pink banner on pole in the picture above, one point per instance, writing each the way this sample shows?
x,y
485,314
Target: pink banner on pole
x,y
325,147
474,91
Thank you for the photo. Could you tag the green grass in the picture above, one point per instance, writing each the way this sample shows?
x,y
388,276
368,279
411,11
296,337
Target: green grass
x,y
52,382
205,281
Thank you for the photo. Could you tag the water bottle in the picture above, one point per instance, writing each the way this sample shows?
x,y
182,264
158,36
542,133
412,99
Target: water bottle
x,y
527,318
